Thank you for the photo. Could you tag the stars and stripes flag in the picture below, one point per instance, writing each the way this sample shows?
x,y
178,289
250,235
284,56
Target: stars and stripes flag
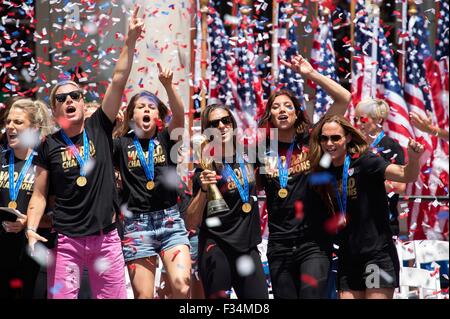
x,y
397,125
442,57
288,79
323,60
421,68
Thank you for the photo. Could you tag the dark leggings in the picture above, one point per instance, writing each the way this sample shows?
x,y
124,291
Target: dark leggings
x,y
299,270
217,267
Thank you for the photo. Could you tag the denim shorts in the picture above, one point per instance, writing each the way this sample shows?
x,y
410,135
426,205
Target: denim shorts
x,y
147,234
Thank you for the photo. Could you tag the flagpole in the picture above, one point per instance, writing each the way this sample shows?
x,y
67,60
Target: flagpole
x,y
352,35
204,11
402,61
375,12
275,44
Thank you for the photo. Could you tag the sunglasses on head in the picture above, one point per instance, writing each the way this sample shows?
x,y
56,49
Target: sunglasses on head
x,y
74,95
333,138
225,121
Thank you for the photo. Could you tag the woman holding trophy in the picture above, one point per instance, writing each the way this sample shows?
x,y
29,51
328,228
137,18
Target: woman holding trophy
x,y
224,205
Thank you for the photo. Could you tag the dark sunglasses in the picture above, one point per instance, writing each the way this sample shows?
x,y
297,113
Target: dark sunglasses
x,y
225,121
333,138
74,95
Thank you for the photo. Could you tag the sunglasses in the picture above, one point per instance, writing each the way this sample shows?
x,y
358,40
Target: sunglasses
x,y
225,121
333,138
74,95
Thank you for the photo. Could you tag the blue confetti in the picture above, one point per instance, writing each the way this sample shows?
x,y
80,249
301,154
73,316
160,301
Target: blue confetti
x,y
443,214
320,178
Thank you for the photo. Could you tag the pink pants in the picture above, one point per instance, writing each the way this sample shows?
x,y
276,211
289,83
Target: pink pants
x,y
101,254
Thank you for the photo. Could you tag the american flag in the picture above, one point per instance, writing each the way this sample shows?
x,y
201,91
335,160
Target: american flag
x,y
424,221
249,86
287,78
389,87
323,60
220,62
442,56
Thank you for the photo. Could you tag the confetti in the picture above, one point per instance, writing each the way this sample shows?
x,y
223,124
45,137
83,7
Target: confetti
x,y
245,266
212,222
309,280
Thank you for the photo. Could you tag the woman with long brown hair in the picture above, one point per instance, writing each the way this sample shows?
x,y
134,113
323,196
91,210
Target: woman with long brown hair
x,y
367,259
153,225
227,249
298,247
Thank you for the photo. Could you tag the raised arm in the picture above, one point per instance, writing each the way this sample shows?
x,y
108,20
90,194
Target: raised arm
x,y
406,173
425,124
113,96
36,207
339,94
175,103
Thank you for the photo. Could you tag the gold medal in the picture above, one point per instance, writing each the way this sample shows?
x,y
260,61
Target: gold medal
x,y
150,185
12,204
246,208
283,193
81,181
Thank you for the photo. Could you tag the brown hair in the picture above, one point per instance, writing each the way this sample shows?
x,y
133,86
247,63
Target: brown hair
x,y
302,124
204,121
357,144
163,110
38,114
56,87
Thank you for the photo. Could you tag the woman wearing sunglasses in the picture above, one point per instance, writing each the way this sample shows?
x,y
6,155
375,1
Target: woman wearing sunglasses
x,y
154,226
371,114
298,246
368,264
76,163
227,249
24,120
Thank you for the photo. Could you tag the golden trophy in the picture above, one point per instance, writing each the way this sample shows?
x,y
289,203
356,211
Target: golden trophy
x,y
216,203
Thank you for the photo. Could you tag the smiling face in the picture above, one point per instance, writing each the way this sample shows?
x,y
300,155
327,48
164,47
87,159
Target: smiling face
x,y
69,105
220,119
17,122
333,140
145,115
283,113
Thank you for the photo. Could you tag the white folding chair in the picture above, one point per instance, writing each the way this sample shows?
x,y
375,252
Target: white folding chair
x,y
420,252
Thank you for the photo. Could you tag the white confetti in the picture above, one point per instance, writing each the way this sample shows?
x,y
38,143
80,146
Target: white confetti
x,y
125,211
212,222
29,138
101,265
325,161
245,266
41,254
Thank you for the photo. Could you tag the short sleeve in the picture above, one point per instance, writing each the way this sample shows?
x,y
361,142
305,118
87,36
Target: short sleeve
x,y
374,166
398,155
99,118
116,151
41,157
164,138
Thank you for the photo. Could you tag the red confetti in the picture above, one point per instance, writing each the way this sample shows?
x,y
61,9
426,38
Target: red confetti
x,y
299,209
175,254
334,224
15,283
309,280
210,246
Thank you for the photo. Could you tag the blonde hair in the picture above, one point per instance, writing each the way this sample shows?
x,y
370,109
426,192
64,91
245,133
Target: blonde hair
x,y
56,87
376,108
38,114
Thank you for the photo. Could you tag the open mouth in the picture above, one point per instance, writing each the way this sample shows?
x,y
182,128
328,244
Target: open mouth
x,y
146,119
331,151
71,109
283,118
12,136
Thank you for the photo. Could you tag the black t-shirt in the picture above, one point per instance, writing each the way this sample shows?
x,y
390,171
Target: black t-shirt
x,y
393,153
367,230
240,230
283,222
81,211
138,198
12,245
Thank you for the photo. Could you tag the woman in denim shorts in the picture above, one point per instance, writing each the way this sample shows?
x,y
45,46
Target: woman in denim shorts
x,y
152,223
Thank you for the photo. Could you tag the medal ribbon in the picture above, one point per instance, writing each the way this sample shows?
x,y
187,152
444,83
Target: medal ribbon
x,y
14,189
377,139
73,148
283,172
149,168
342,201
243,191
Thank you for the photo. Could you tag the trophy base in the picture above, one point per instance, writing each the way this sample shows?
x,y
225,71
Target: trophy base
x,y
216,206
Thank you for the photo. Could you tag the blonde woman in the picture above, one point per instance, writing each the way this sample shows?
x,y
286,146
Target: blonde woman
x,y
371,115
24,120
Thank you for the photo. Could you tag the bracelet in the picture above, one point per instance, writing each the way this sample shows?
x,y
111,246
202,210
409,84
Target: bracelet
x,y
34,230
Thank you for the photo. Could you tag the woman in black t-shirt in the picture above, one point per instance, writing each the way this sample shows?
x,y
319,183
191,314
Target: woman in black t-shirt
x,y
228,239
25,120
368,262
299,249
153,225
371,114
